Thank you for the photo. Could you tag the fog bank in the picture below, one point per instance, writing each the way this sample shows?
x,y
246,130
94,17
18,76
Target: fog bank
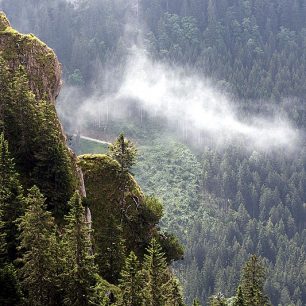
x,y
187,101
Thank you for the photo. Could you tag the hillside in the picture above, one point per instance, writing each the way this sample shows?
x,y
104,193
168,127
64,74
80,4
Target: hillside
x,y
70,227
213,95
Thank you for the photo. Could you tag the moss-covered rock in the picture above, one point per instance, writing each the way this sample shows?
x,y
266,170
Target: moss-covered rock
x,y
40,62
102,180
118,225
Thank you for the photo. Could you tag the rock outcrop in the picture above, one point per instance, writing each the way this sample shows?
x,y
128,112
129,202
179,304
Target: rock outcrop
x,y
47,161
39,61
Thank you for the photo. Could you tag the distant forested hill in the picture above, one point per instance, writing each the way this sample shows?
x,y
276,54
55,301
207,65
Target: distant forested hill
x,y
256,48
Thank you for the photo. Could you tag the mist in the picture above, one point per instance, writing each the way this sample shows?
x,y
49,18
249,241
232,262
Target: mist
x,y
188,102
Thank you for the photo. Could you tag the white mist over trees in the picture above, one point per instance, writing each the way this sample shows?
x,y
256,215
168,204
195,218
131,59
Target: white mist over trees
x,y
187,101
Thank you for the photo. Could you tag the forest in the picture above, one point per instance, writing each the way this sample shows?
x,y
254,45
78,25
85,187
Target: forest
x,y
211,211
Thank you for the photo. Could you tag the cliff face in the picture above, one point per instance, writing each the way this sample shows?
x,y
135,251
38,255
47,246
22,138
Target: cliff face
x,y
40,62
30,81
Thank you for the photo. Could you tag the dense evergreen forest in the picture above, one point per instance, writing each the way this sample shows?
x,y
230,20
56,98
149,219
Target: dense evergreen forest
x,y
224,203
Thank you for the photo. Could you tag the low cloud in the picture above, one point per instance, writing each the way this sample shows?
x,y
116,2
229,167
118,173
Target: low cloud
x,y
187,101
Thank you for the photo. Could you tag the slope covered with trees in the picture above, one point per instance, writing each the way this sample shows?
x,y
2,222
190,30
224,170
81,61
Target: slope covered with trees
x,y
224,204
57,246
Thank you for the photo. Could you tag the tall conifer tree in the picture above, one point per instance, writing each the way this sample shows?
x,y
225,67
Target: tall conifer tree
x,y
131,282
196,302
239,298
252,283
11,200
38,242
80,267
174,293
156,275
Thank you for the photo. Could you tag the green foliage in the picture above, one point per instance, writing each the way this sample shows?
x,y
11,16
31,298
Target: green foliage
x,y
171,171
171,246
11,202
174,293
102,180
218,300
224,205
111,249
239,298
196,302
252,282
250,291
124,230
56,263
157,275
37,144
3,245
124,151
105,294
153,210
38,273
10,293
131,282
79,274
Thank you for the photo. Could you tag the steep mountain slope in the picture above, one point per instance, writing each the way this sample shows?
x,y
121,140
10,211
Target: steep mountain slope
x,y
30,82
57,246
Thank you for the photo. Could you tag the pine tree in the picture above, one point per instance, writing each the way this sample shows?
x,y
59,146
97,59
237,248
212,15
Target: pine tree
x,y
252,283
239,298
3,245
131,282
196,302
110,250
36,140
38,241
217,300
11,201
124,152
80,269
174,293
156,275
10,293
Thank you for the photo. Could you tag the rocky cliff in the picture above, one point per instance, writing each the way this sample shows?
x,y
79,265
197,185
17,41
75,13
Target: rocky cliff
x,y
39,61
30,82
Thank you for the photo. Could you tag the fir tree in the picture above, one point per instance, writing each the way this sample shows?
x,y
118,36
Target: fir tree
x,y
252,283
36,141
217,300
80,268
3,245
239,298
11,200
131,282
156,275
38,241
174,293
10,293
124,152
196,302
111,250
